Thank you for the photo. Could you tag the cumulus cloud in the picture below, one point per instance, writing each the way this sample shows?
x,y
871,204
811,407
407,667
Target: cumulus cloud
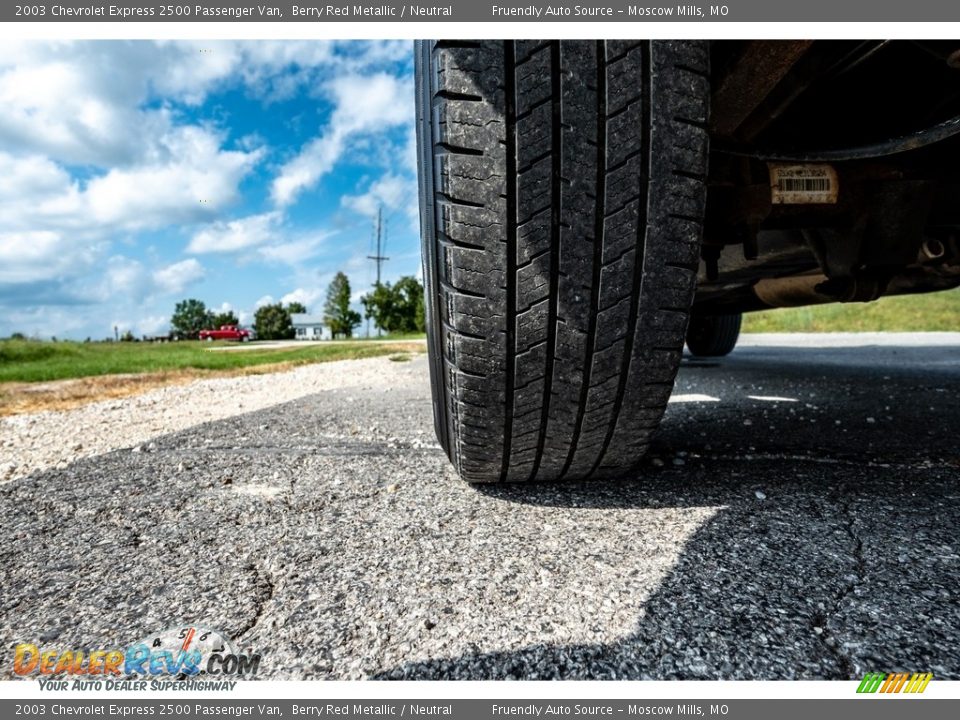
x,y
191,182
195,179
296,251
177,277
390,192
310,297
364,104
234,235
31,256
152,325
76,101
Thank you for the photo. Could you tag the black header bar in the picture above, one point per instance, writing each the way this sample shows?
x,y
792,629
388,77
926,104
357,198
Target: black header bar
x,y
617,11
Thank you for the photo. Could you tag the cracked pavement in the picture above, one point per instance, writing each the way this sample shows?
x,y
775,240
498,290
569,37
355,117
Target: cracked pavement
x,y
796,518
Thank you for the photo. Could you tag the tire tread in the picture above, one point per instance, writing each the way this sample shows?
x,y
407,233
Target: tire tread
x,y
567,194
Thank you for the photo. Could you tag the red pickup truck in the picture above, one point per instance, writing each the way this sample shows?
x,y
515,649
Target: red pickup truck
x,y
226,332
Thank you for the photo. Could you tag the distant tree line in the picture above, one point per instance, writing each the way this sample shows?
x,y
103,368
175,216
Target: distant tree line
x,y
394,308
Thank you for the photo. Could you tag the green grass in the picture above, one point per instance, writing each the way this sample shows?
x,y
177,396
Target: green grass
x,y
36,361
928,312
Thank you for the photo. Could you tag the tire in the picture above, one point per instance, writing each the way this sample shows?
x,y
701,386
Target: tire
x,y
562,198
713,335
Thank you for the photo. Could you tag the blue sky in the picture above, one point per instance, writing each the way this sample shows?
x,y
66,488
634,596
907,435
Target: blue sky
x,y
135,174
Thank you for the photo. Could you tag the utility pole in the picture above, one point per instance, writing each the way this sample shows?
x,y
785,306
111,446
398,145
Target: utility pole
x,y
378,258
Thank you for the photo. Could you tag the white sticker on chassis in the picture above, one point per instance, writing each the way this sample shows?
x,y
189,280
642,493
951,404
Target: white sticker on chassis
x,y
803,184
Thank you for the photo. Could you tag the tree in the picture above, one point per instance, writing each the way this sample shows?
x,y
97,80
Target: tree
x,y
336,311
224,318
396,308
420,317
189,318
296,307
272,322
379,305
410,291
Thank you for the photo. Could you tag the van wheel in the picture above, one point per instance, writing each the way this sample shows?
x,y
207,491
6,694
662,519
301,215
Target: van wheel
x,y
562,189
713,335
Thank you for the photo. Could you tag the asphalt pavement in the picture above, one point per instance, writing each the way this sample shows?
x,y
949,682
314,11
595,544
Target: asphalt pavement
x,y
796,518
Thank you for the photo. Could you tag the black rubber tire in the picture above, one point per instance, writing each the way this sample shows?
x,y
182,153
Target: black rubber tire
x,y
562,198
713,335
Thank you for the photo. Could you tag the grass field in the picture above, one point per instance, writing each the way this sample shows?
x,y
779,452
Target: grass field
x,y
33,361
36,376
917,313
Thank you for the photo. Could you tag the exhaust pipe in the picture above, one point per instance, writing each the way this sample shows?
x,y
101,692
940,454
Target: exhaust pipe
x,y
931,249
818,289
794,291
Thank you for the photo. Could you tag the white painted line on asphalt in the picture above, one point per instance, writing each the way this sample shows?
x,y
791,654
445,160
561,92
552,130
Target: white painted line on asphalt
x,y
693,397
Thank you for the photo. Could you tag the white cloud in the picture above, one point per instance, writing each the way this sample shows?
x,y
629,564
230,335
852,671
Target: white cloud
x,y
177,277
127,280
390,191
31,256
56,104
32,175
77,101
364,104
297,251
152,325
410,153
357,295
89,104
234,235
193,179
123,277
264,300
310,297
37,195
84,102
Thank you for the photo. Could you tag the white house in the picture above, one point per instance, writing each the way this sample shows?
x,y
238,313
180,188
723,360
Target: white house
x,y
309,327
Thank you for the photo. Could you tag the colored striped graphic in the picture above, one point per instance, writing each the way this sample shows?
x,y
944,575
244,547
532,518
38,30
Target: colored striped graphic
x,y
894,682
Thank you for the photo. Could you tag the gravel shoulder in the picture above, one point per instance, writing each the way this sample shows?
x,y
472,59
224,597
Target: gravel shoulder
x,y
38,441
